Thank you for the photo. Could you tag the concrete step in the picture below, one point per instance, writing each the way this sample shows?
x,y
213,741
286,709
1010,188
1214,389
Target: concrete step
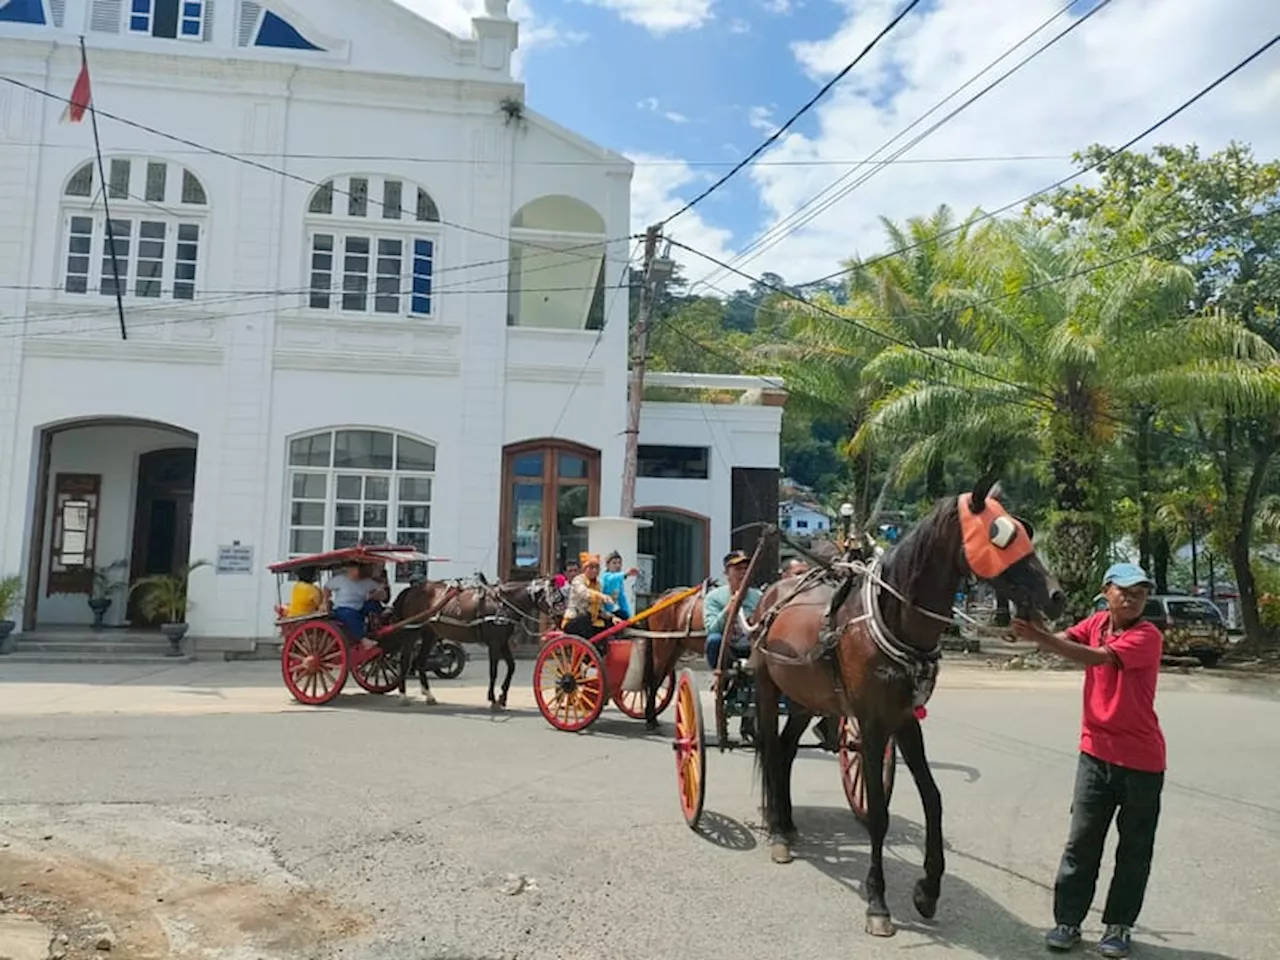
x,y
135,645
118,659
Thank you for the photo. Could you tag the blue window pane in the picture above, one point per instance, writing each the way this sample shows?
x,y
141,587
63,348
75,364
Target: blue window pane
x,y
423,248
421,284
421,305
421,267
23,11
191,28
142,6
191,10
140,24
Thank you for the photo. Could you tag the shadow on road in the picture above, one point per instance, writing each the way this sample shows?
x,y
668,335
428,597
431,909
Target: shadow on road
x,y
725,832
838,847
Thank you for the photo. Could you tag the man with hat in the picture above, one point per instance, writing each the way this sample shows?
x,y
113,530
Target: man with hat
x,y
716,604
1122,759
589,608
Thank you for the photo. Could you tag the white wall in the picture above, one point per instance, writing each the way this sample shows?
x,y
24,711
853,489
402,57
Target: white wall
x,y
112,452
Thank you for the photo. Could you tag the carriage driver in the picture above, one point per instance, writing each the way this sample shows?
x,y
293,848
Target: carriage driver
x,y
351,595
716,604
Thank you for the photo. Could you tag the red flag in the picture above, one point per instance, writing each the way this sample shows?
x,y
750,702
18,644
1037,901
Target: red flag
x,y
80,95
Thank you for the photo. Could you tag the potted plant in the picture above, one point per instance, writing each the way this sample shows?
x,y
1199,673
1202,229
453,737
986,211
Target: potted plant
x,y
163,597
105,583
10,593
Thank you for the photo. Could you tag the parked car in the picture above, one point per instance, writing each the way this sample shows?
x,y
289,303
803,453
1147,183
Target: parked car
x,y
1192,626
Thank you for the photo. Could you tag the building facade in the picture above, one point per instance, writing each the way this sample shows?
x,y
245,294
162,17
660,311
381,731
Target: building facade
x,y
366,295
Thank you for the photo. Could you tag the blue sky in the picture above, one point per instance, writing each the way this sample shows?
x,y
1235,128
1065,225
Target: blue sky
x,y
687,87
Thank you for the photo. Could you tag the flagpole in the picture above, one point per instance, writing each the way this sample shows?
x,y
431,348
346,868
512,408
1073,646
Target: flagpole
x,y
106,208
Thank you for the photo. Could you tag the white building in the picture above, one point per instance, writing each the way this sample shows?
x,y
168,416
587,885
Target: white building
x,y
368,295
803,519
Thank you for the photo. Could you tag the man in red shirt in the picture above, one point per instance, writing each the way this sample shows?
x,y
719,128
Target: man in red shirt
x,y
1122,759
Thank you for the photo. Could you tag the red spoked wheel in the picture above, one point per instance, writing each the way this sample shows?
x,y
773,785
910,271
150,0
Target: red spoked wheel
x,y
569,682
380,673
314,662
690,749
631,702
851,769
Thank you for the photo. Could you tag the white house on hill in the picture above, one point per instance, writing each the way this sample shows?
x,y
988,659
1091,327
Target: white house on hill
x,y
368,296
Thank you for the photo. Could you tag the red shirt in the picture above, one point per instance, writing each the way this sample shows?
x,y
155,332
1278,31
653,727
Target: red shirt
x,y
1120,725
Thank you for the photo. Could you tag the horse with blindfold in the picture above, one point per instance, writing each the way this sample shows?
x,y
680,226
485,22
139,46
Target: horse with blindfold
x,y
863,641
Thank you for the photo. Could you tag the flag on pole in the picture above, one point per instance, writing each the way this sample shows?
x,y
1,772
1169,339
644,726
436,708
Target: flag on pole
x,y
81,94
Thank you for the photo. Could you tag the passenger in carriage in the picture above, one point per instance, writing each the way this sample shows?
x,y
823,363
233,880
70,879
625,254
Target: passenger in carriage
x,y
351,594
716,603
306,598
614,581
589,609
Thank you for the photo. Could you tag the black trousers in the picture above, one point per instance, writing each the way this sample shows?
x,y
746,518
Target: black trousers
x,y
1103,789
581,626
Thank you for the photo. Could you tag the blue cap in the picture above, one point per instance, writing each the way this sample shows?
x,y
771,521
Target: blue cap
x,y
1126,575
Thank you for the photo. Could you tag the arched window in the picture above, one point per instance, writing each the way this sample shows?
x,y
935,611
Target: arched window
x,y
374,243
547,484
158,212
351,487
556,269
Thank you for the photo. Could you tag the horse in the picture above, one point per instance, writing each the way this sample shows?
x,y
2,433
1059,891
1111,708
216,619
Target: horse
x,y
865,643
681,630
482,613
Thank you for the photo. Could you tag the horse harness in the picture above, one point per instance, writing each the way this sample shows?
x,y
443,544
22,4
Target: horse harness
x,y
486,591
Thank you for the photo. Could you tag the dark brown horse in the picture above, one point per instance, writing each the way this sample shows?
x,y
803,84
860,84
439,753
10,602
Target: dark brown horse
x,y
867,646
680,629
482,613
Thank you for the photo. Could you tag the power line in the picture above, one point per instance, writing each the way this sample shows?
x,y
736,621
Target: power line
x,y
790,224
1059,183
773,137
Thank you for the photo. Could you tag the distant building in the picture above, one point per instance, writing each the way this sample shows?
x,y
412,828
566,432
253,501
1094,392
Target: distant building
x,y
803,519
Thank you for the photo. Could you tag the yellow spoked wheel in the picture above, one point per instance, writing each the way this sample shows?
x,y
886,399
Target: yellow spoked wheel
x,y
569,682
690,750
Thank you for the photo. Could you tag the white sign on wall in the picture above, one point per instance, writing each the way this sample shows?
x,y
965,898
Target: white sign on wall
x,y
644,579
236,558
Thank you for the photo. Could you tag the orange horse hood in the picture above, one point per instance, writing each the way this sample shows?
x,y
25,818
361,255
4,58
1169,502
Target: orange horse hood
x,y
993,540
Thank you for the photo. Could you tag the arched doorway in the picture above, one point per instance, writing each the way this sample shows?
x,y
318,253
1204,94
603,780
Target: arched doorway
x,y
679,545
113,494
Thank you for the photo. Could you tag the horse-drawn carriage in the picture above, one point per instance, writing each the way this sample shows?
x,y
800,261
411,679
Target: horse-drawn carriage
x,y
318,654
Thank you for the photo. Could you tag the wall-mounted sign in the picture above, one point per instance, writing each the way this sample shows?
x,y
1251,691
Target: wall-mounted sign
x,y
236,558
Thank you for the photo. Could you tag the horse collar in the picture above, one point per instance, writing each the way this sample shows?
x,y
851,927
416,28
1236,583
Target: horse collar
x,y
901,653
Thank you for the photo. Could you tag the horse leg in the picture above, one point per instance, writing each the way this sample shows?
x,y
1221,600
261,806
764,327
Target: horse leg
x,y
650,687
407,651
509,659
424,655
772,767
797,723
874,739
929,887
491,645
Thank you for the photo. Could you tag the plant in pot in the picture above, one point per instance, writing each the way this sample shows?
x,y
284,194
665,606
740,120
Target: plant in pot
x,y
163,597
105,583
10,594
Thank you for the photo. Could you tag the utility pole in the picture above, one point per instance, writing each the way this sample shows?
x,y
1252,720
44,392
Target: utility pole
x,y
656,272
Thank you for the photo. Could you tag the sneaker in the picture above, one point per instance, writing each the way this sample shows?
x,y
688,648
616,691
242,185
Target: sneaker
x,y
1062,937
1115,941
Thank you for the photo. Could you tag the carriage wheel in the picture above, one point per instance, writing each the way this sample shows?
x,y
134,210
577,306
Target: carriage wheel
x,y
851,773
631,702
314,662
690,750
380,673
569,683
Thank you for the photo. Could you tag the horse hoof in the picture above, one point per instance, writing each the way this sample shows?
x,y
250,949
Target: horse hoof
x,y
880,926
496,706
430,700
406,700
780,852
926,905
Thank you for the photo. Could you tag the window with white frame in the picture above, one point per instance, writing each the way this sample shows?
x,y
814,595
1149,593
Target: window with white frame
x,y
173,19
373,244
150,249
353,487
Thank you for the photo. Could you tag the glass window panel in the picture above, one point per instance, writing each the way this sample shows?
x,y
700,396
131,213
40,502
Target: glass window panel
x,y
412,517
321,270
81,182
118,183
355,275
427,211
345,538
150,270
307,514
528,465
571,502
392,198
309,486
184,287
157,180
415,489
358,197
526,526
322,199
572,467
375,515
377,489
367,449
116,267
414,455
192,189
375,537
349,487
346,515
306,541
388,279
310,451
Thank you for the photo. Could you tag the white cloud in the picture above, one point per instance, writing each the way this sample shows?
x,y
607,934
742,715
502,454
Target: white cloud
x,y
652,105
1111,77
737,25
659,187
777,6
761,119
648,103
660,16
675,117
535,32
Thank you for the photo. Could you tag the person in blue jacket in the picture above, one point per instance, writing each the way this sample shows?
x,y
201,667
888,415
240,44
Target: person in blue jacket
x,y
715,605
614,582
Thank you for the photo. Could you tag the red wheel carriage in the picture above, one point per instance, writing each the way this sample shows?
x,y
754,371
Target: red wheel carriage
x,y
318,656
573,678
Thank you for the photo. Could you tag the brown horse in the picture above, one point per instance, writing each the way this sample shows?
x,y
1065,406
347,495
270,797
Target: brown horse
x,y
682,631
482,613
867,646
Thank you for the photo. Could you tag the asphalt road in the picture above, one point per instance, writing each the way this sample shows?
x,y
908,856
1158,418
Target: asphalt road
x,y
376,830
